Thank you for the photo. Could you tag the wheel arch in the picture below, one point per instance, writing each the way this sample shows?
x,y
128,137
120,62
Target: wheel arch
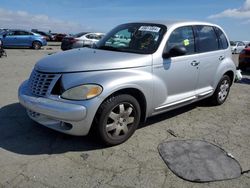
x,y
36,41
231,75
137,94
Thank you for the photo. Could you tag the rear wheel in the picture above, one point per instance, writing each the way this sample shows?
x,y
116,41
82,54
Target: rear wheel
x,y
36,45
221,93
118,118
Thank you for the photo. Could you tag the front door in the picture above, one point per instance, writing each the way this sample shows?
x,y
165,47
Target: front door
x,y
22,38
179,74
9,39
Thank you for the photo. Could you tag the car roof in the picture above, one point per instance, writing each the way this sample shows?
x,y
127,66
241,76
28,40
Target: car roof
x,y
19,30
171,23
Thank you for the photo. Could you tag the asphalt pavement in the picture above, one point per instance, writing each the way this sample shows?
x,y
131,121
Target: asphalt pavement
x,y
34,156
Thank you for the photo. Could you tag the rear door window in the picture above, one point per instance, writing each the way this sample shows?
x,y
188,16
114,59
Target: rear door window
x,y
223,43
10,33
22,33
207,39
241,44
90,36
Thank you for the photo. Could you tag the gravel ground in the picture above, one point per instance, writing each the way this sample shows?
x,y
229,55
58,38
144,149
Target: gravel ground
x,y
35,156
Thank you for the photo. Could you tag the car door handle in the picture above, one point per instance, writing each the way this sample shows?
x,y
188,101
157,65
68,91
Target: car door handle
x,y
221,58
195,63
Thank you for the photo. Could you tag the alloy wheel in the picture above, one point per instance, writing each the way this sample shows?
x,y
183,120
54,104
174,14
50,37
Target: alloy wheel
x,y
120,120
224,89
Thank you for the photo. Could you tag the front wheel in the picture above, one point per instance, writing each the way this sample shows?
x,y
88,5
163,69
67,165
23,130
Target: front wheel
x,y
36,45
118,118
222,90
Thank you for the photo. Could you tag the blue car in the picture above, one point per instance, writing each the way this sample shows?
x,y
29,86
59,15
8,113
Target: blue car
x,y
22,38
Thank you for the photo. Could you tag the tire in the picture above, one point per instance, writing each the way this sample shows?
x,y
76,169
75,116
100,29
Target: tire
x,y
222,90
36,45
117,119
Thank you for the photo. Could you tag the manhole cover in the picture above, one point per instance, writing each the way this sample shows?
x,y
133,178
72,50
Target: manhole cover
x,y
199,161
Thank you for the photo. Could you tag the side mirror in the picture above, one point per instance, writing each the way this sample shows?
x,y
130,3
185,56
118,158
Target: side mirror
x,y
174,52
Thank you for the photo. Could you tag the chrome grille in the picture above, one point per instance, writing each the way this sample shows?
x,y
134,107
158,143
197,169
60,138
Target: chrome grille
x,y
40,83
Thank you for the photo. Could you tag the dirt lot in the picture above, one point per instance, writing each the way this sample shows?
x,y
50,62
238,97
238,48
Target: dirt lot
x,y
34,156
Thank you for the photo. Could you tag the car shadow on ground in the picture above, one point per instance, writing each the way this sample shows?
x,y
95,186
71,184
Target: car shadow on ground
x,y
167,115
244,81
20,134
174,113
246,78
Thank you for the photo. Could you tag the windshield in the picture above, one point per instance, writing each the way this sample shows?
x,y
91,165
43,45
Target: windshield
x,y
142,38
232,43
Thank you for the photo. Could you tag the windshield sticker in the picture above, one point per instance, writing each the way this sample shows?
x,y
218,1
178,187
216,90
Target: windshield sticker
x,y
154,29
186,42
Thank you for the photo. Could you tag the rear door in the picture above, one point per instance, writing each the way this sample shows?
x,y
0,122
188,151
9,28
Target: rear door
x,y
210,56
23,38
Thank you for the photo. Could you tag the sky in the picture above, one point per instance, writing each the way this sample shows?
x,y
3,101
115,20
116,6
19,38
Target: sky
x,y
73,16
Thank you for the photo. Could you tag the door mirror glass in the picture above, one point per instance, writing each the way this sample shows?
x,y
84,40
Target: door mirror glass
x,y
175,51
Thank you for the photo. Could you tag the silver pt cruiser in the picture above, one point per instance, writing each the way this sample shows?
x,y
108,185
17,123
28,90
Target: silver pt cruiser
x,y
136,71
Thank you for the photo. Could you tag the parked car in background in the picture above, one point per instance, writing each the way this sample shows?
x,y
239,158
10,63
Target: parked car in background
x,y
79,40
22,38
244,59
2,51
3,30
160,66
247,45
237,46
47,36
58,36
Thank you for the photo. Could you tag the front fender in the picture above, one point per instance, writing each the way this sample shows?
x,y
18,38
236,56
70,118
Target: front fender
x,y
114,80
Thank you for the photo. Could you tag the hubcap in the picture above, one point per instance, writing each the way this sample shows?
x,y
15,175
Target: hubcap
x,y
224,88
120,120
36,46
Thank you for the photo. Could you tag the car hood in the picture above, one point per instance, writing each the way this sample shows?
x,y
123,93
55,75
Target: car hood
x,y
87,59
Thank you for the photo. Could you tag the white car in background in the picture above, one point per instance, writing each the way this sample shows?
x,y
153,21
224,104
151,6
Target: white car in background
x,y
237,46
80,40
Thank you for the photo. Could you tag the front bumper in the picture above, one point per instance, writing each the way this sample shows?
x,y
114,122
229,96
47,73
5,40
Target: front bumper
x,y
61,116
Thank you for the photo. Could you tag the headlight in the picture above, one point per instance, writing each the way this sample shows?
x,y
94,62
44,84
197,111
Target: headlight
x,y
82,92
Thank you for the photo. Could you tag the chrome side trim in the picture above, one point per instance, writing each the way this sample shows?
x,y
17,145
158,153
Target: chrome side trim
x,y
205,93
176,103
